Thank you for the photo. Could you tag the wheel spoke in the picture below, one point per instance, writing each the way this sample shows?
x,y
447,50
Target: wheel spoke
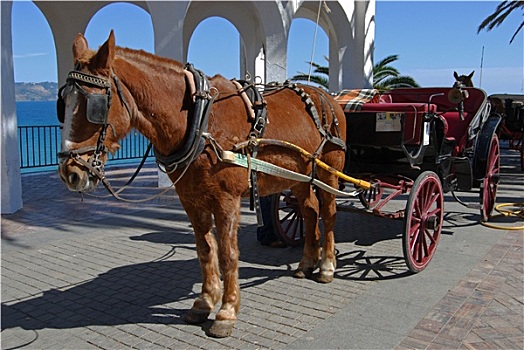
x,y
435,212
429,235
416,211
429,197
414,236
286,217
290,222
424,245
285,207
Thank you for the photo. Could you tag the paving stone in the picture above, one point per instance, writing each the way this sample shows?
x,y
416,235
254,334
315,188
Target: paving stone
x,y
127,280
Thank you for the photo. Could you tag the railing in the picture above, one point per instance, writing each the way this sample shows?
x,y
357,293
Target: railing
x,y
39,145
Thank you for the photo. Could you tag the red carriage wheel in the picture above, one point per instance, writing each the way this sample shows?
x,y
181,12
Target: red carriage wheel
x,y
287,218
423,221
488,190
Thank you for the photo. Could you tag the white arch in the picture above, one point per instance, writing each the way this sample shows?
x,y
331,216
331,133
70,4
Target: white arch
x,y
221,40
243,15
98,28
263,28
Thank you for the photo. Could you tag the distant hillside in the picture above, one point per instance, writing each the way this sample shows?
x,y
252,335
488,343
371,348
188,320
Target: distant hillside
x,y
45,91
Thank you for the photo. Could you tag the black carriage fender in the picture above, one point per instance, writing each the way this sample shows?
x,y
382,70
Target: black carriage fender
x,y
483,145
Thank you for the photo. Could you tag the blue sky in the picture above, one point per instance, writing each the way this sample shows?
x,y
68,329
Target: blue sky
x,y
432,39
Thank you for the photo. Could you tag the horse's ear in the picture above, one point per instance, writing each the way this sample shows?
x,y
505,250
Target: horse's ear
x,y
106,54
80,46
471,75
455,74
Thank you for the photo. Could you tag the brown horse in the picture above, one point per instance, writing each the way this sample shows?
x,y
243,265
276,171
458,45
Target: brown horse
x,y
115,89
463,80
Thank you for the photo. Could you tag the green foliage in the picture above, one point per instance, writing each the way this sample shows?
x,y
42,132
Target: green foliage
x,y
500,14
385,76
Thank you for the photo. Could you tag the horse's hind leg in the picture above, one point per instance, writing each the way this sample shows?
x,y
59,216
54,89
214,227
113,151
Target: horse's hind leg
x,y
309,207
227,217
206,246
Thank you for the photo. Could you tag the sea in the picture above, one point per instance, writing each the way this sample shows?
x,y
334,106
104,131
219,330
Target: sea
x,y
36,113
39,146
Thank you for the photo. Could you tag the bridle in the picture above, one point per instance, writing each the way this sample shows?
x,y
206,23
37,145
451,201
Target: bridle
x,y
97,112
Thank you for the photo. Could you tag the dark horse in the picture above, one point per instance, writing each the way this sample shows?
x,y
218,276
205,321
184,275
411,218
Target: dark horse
x,y
115,89
463,80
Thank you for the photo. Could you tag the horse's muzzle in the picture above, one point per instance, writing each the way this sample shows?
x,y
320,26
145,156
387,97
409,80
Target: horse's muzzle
x,y
76,177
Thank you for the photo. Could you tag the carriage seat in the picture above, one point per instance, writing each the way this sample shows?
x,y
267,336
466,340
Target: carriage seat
x,y
457,128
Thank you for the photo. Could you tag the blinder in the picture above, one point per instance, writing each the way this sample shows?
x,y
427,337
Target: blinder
x,y
97,108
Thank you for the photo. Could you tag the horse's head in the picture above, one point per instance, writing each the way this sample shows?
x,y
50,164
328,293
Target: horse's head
x,y
94,113
463,80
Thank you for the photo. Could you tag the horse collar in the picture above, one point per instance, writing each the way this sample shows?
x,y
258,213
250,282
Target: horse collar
x,y
195,142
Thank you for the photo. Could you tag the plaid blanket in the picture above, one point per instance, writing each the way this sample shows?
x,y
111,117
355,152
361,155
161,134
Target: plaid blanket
x,y
352,100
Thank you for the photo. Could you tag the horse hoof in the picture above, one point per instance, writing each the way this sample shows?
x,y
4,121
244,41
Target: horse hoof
x,y
221,328
323,278
303,273
196,316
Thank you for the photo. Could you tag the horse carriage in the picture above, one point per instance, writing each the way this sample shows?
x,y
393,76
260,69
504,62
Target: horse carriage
x,y
220,140
511,129
419,142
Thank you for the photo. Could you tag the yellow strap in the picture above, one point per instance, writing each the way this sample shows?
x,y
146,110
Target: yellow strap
x,y
358,182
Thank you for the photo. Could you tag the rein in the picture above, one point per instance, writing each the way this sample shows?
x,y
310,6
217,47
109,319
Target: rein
x,y
116,193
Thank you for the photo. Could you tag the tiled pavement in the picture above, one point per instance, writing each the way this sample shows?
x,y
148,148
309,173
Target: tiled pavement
x,y
484,310
104,274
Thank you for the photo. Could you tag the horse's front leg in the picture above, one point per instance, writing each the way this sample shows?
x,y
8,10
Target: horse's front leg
x,y
227,217
328,261
207,255
309,207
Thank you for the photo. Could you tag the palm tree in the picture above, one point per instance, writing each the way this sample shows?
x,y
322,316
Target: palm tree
x,y
499,15
385,76
320,80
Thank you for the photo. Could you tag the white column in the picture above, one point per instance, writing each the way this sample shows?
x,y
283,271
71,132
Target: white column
x,y
168,27
363,43
11,178
368,32
276,21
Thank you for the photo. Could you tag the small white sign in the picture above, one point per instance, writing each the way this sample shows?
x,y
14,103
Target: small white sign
x,y
425,137
388,122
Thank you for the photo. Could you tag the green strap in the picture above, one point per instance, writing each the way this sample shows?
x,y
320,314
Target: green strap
x,y
270,169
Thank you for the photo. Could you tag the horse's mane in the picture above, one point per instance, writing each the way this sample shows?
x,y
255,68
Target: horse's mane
x,y
138,57
145,58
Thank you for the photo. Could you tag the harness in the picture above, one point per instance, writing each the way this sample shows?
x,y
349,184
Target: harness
x,y
97,112
195,141
256,106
